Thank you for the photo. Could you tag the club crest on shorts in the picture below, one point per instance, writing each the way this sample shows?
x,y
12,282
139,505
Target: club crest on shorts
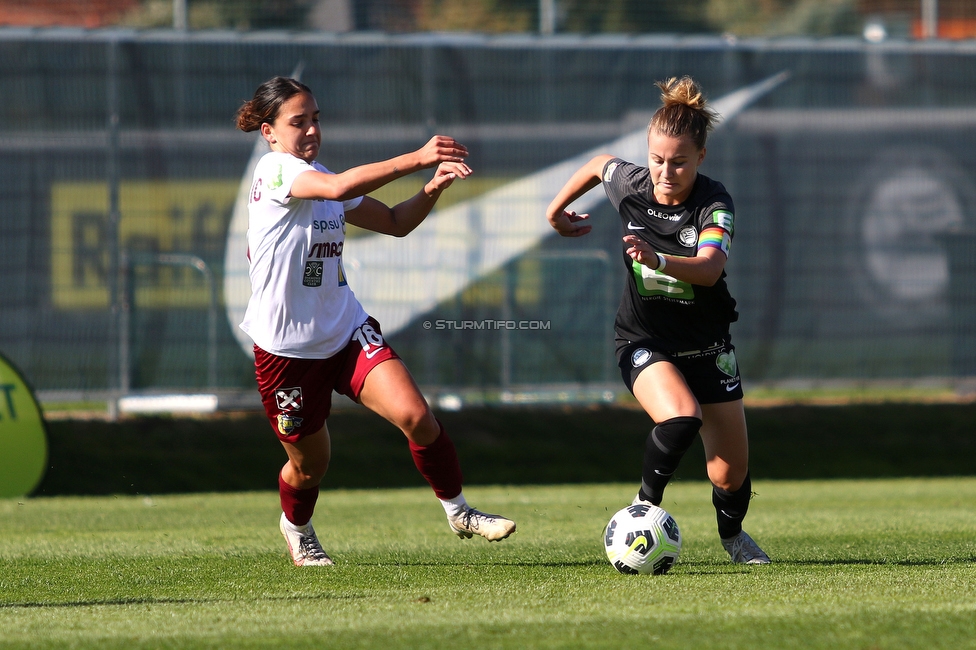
x,y
289,399
640,357
288,423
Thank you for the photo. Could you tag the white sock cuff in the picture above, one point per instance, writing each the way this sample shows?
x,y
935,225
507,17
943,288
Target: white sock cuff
x,y
456,506
294,527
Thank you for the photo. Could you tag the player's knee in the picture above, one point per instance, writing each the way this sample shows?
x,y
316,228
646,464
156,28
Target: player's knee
x,y
729,483
419,425
675,436
311,471
726,478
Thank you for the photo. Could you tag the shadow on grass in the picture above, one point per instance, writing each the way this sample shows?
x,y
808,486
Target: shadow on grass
x,y
708,568
122,602
855,561
494,563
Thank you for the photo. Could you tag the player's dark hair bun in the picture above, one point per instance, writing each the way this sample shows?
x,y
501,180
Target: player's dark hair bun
x,y
267,101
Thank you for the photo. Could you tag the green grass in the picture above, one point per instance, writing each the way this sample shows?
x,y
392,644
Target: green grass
x,y
858,564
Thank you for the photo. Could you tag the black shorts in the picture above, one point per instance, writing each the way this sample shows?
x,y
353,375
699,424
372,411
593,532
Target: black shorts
x,y
712,373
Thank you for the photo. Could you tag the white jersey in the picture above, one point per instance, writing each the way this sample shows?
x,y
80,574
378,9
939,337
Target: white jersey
x,y
300,303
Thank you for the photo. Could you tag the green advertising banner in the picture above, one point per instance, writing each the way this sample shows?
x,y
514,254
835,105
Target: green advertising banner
x,y
23,438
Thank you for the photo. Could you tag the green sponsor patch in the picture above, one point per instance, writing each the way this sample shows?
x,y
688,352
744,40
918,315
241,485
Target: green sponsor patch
x,y
23,440
276,181
726,363
724,219
653,283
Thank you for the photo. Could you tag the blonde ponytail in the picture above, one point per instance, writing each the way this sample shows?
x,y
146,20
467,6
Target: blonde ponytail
x,y
684,111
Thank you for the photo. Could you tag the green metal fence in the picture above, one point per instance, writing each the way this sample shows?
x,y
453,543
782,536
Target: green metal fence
x,y
853,183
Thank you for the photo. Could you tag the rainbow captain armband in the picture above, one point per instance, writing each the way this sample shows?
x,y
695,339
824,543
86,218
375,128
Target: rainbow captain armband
x,y
715,238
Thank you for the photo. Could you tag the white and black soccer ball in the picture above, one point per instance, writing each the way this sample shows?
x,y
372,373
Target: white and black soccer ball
x,y
642,539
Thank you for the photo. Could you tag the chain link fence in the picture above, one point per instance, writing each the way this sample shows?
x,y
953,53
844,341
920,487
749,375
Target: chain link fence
x,y
854,256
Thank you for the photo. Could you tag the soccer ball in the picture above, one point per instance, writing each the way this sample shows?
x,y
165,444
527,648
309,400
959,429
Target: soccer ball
x,y
642,538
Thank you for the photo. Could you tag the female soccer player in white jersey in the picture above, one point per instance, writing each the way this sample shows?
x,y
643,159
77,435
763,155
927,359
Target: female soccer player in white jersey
x,y
311,336
672,328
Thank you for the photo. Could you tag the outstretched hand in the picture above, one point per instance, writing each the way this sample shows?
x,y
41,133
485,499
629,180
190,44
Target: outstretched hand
x,y
445,174
640,251
441,148
570,224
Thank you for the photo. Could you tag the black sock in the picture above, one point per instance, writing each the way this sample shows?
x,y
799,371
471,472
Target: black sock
x,y
665,446
731,508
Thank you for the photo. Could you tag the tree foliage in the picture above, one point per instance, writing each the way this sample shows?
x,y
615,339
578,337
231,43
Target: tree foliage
x,y
783,17
737,17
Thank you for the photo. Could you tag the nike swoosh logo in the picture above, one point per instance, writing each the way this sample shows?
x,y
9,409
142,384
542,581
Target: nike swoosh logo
x,y
479,219
640,541
731,387
631,226
370,355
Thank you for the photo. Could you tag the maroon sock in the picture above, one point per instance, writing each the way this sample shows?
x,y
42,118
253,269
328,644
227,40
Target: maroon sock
x,y
438,462
296,503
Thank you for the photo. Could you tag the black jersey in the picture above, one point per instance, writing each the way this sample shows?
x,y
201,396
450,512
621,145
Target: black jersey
x,y
676,315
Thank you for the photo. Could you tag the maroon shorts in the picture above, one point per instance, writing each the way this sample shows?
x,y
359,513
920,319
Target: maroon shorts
x,y
297,393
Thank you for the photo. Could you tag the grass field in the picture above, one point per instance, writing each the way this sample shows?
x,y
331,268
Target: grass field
x,y
857,564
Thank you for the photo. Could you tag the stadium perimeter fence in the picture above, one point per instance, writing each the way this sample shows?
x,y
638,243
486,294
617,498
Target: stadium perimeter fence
x,y
121,259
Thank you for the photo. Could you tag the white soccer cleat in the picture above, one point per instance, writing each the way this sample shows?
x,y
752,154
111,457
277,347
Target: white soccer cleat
x,y
474,522
303,544
743,550
639,501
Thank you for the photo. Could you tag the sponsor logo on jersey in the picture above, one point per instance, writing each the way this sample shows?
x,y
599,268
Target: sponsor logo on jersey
x,y
325,225
289,399
688,236
608,174
663,215
631,226
640,357
288,423
313,274
326,249
276,181
658,285
723,219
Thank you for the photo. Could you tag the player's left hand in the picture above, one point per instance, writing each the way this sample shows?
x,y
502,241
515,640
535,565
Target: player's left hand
x,y
445,174
640,251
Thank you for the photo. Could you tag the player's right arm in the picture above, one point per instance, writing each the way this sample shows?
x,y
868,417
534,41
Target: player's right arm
x,y
402,218
364,179
568,223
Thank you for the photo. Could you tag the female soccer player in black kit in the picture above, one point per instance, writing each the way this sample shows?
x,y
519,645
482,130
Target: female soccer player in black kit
x,y
672,327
